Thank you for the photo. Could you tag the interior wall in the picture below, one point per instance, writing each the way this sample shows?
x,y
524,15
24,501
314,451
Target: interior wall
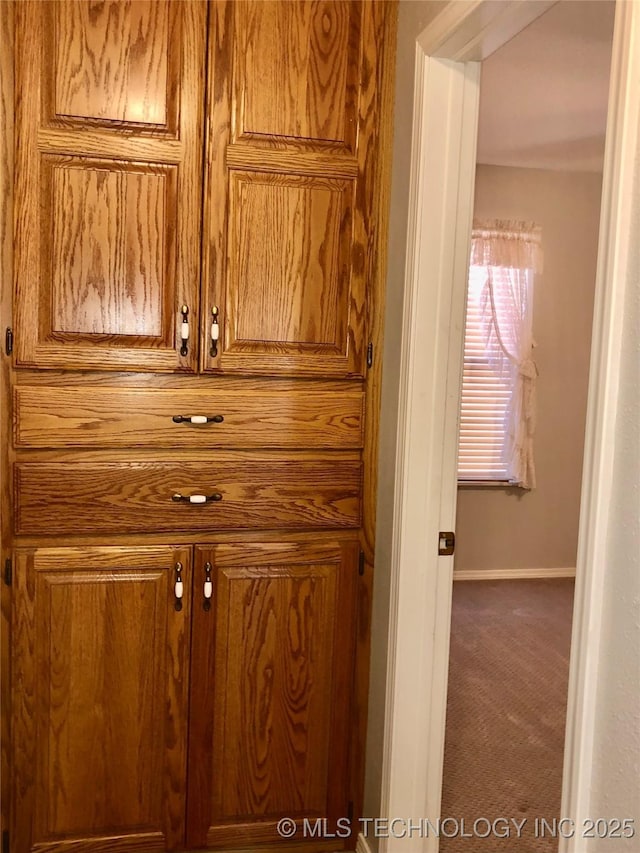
x,y
413,17
615,777
617,749
508,528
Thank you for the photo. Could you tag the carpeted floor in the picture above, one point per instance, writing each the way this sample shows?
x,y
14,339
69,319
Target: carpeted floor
x,y
506,714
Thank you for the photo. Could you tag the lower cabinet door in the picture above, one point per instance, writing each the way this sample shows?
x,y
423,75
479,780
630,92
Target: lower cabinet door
x,y
271,693
99,687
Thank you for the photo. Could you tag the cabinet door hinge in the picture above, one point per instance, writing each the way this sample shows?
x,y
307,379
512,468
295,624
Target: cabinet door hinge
x,y
361,563
5,841
8,572
370,355
8,341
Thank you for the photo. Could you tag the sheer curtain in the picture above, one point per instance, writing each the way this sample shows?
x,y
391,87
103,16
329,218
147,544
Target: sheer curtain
x,y
511,253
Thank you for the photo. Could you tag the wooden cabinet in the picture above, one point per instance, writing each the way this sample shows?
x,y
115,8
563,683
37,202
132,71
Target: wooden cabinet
x,y
110,185
103,691
100,678
117,416
285,261
199,230
271,689
227,490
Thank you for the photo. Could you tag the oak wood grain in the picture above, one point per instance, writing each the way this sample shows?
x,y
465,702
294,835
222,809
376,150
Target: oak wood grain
x,y
208,383
307,535
372,220
103,286
215,204
309,71
6,277
278,260
88,475
259,157
111,60
100,657
372,214
96,142
127,417
109,260
277,644
288,277
258,490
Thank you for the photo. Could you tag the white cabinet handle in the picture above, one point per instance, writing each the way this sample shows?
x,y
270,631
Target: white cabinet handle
x,y
208,587
215,331
196,499
178,587
184,330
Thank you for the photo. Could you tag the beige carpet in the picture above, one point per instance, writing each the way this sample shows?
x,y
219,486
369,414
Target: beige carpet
x,y
505,714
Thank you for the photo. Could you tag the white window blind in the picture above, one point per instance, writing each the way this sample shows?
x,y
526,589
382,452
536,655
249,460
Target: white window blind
x,y
486,393
498,414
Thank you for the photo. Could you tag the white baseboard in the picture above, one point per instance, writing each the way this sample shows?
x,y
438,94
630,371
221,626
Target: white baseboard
x,y
511,574
363,845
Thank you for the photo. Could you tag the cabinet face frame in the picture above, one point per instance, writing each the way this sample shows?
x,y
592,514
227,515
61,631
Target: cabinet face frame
x,y
104,179
6,293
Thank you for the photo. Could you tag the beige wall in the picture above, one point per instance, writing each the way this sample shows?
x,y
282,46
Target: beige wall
x,y
510,528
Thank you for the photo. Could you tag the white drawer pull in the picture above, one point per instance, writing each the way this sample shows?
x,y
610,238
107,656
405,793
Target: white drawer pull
x,y
198,419
196,499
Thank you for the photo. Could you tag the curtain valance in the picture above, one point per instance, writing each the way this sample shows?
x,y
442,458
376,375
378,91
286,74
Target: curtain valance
x,y
507,243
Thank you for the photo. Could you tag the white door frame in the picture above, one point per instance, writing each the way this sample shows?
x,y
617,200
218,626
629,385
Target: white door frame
x,y
440,208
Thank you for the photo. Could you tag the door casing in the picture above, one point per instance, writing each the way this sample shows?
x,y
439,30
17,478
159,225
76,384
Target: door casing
x,y
442,176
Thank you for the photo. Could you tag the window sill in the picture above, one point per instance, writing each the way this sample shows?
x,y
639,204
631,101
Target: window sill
x,y
486,484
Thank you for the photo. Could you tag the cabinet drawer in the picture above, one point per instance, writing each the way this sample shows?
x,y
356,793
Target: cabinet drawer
x,y
129,417
245,491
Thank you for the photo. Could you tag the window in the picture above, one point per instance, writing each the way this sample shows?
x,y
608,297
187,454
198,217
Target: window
x,y
497,417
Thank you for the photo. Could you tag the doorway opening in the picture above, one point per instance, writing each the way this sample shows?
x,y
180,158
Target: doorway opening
x,y
448,47
541,141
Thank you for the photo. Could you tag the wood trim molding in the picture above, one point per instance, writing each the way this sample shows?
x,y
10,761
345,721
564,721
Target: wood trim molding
x,y
511,574
6,294
362,845
385,20
614,249
444,132
471,30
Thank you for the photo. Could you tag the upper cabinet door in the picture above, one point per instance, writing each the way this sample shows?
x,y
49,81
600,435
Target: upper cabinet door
x,y
287,195
108,195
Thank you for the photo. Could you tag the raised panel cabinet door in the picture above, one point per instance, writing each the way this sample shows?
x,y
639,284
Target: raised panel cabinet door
x,y
289,211
109,125
271,690
99,687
